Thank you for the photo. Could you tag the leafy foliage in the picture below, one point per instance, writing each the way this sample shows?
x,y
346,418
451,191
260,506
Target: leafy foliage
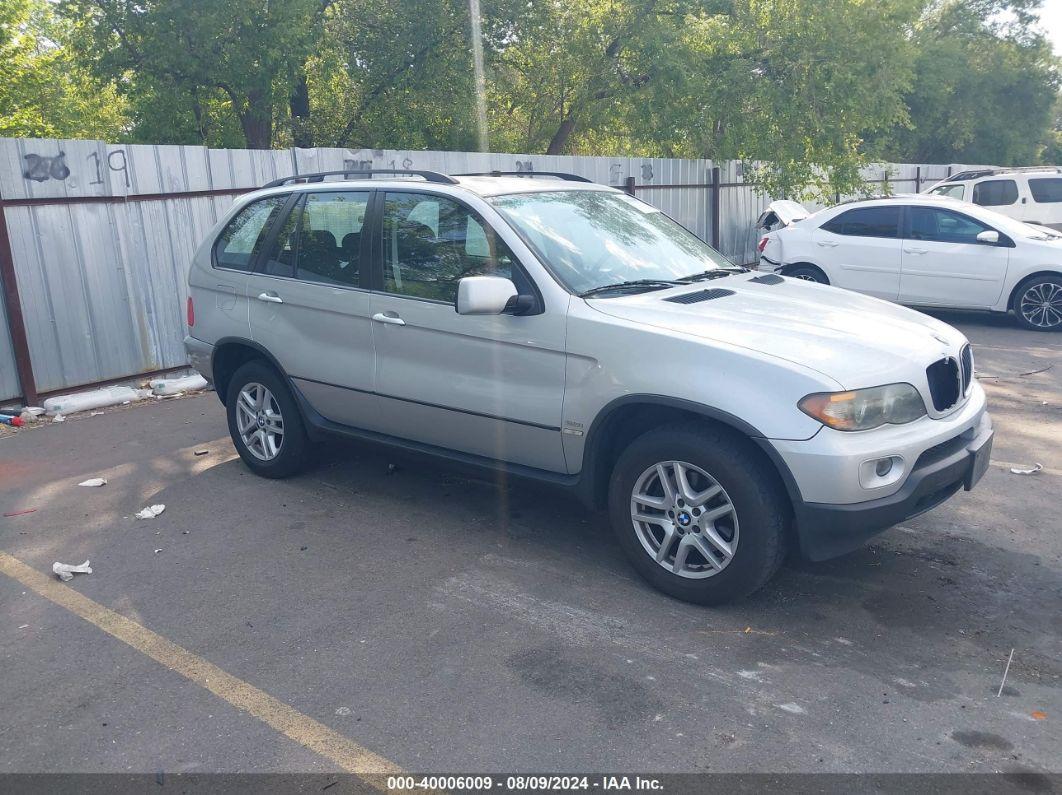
x,y
44,91
806,92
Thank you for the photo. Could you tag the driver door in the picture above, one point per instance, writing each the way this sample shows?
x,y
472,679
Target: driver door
x,y
491,385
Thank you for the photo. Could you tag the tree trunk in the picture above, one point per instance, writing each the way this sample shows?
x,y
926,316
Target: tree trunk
x,y
256,120
559,142
299,105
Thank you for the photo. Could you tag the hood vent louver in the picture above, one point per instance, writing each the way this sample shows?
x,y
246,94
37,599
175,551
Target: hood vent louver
x,y
767,278
701,295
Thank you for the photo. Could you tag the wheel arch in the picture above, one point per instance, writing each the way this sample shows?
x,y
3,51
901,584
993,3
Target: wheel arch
x,y
790,267
627,417
230,353
1013,299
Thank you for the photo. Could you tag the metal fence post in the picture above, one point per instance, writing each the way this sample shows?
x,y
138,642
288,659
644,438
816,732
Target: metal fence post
x,y
716,193
16,323
918,180
628,185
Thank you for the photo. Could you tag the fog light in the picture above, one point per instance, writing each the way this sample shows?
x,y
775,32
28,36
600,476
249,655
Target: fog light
x,y
883,467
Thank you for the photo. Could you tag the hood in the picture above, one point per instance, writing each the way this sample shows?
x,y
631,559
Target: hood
x,y
781,213
853,339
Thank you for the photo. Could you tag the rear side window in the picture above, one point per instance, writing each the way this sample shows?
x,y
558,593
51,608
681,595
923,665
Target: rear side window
x,y
320,240
1047,190
995,192
242,239
866,222
944,226
951,191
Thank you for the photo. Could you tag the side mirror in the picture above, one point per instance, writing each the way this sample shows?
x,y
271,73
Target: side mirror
x,y
990,236
484,295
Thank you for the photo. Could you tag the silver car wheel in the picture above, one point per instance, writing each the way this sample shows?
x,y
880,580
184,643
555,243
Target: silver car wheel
x,y
1041,305
259,421
684,519
806,277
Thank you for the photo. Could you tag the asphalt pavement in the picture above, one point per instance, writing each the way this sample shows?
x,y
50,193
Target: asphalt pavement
x,y
443,622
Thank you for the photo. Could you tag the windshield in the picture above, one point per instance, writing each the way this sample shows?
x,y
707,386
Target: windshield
x,y
590,239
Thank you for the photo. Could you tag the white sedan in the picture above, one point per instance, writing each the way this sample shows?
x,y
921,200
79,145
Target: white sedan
x,y
925,251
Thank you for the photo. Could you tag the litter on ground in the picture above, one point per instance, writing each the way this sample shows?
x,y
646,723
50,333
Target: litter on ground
x,y
22,512
67,571
84,401
200,452
173,386
58,418
1020,471
150,512
93,482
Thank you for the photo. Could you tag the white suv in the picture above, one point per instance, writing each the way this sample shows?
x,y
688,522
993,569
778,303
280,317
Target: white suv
x,y
1032,195
565,331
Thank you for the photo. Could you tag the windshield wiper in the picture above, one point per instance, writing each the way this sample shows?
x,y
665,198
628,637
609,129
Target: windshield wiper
x,y
717,273
604,288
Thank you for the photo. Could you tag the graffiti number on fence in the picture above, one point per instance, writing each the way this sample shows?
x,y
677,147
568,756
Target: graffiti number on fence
x,y
116,161
647,172
40,168
524,167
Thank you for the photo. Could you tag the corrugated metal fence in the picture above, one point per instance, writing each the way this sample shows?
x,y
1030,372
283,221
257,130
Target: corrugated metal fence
x,y
99,236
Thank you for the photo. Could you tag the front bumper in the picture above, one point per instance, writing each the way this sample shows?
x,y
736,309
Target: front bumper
x,y
825,531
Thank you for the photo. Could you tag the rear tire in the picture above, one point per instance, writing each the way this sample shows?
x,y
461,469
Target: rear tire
x,y
743,525
1038,303
807,273
264,422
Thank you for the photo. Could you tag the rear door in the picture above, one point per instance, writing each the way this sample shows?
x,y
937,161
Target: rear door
x,y
945,265
490,385
309,303
861,250
220,294
1046,201
1001,195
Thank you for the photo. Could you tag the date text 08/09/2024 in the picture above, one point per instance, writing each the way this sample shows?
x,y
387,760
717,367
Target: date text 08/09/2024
x,y
541,782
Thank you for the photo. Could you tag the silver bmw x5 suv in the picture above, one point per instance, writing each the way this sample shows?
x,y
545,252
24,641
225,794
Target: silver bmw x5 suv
x,y
566,331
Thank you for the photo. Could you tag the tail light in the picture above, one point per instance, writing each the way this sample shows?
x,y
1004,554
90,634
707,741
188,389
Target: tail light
x,y
191,312
760,247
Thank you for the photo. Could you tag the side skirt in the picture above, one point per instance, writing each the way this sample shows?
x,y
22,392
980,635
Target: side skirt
x,y
319,427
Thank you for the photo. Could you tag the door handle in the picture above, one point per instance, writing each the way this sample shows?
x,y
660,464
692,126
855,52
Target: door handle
x,y
916,251
270,298
827,244
390,318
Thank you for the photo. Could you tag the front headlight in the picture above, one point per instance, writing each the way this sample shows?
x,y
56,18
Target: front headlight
x,y
863,409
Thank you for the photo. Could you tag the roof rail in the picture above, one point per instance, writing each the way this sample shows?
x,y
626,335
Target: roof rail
x,y
429,176
977,173
558,174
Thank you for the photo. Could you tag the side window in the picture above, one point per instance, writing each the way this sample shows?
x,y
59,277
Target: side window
x,y
995,192
432,242
944,226
866,222
1046,190
242,239
330,237
951,191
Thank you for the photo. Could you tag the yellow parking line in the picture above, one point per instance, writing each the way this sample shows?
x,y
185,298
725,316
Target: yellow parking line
x,y
303,729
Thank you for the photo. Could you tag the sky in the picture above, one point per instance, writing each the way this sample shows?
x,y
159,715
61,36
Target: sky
x,y
1051,22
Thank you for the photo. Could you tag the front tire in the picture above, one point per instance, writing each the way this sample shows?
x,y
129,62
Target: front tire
x,y
265,423
699,513
807,273
1038,303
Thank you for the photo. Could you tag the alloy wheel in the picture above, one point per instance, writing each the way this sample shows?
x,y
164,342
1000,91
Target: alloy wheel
x,y
259,421
1041,305
684,519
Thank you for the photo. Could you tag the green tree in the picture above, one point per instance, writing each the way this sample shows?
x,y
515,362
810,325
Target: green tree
x,y
394,74
44,92
984,88
251,52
